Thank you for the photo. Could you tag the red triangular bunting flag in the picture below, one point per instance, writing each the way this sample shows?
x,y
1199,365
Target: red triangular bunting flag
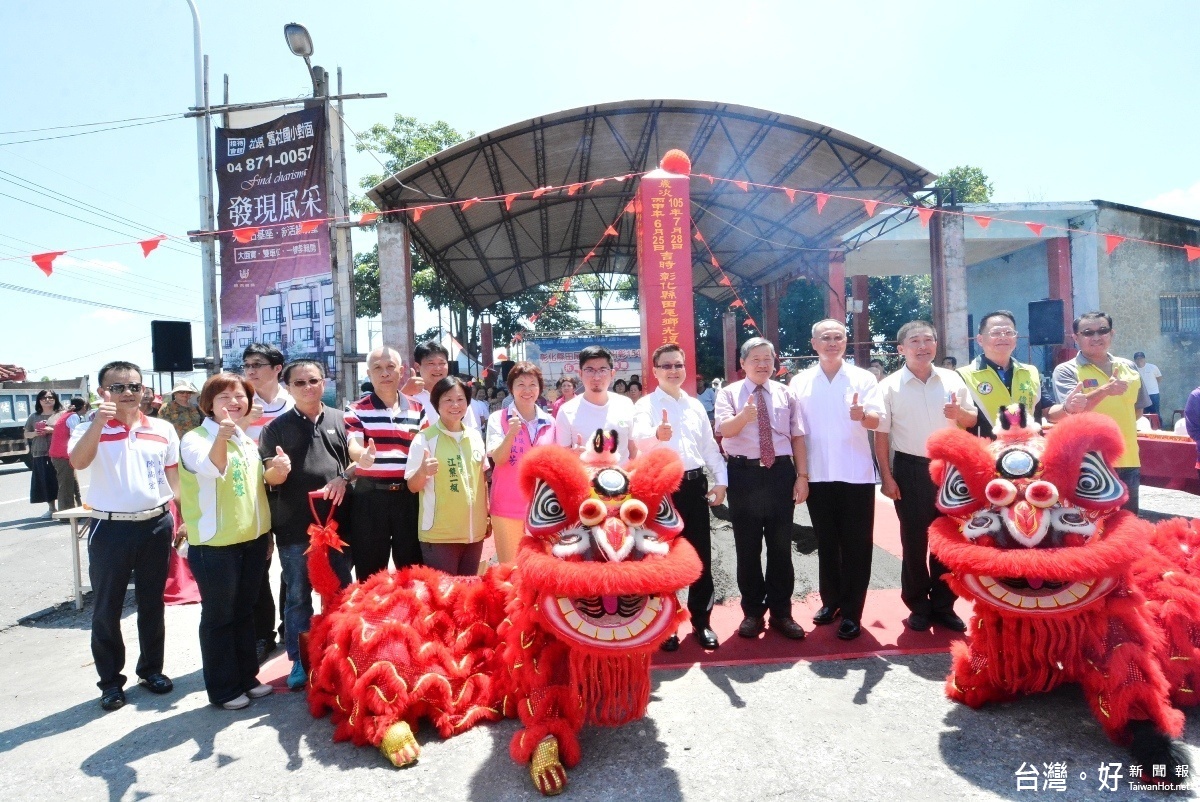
x,y
309,226
706,175
516,338
699,237
540,191
596,183
742,185
714,262
1193,253
782,370
571,190
1111,241
468,204
533,318
368,218
870,205
737,303
750,324
791,193
630,208
626,177
566,284
45,261
417,212
724,281
150,244
1036,228
244,235
926,214
822,199
610,232
588,258
983,222
553,301
508,199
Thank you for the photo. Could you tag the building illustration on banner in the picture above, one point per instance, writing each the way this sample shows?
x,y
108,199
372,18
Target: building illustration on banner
x,y
296,316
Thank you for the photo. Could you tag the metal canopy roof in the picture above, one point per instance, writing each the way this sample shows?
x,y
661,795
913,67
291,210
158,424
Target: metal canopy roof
x,y
490,253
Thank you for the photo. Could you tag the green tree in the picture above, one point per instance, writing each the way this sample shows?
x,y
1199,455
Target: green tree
x,y
895,300
970,184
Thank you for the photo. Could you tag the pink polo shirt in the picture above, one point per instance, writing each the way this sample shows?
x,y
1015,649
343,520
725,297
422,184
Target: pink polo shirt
x,y
507,500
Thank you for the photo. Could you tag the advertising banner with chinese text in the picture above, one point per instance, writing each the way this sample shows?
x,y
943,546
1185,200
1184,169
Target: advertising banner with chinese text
x,y
276,282
664,249
559,356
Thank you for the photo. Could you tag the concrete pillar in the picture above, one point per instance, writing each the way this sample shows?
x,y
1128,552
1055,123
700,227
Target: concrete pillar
x,y
729,326
395,287
487,349
770,296
861,335
948,268
835,292
1058,267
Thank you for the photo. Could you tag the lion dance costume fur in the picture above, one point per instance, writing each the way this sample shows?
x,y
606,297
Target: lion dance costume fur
x,y
562,638
1066,586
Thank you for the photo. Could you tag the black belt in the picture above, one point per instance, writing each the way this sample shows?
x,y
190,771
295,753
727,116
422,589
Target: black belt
x,y
693,475
754,462
902,456
375,484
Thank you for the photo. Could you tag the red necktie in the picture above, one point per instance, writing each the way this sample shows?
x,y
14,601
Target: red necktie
x,y
766,446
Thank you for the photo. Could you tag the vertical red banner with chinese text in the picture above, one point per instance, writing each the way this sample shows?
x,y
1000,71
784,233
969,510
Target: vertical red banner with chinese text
x,y
664,253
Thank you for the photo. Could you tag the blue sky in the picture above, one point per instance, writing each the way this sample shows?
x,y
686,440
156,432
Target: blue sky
x,y
1055,101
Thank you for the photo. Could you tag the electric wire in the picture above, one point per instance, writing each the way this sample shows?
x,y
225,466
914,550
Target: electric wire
x,y
56,296
85,133
91,125
85,356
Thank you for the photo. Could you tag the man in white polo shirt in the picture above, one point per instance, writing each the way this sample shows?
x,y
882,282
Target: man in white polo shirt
x,y
135,474
432,362
579,418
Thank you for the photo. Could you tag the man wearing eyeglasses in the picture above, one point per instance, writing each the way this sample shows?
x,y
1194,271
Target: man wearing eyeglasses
x,y
1097,381
579,418
262,364
670,418
996,380
313,437
135,475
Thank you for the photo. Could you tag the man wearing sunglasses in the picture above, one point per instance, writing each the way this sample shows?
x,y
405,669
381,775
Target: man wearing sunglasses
x,y
135,475
262,364
1097,381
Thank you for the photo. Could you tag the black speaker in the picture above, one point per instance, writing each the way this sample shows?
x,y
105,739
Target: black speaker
x,y
171,345
1046,322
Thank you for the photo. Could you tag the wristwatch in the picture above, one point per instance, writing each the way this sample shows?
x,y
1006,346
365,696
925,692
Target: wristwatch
x,y
344,475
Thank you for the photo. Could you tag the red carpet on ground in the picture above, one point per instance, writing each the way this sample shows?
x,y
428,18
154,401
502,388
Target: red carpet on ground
x,y
883,629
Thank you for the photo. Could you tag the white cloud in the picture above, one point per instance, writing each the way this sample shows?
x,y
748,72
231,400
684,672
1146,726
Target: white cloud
x,y
86,263
1183,202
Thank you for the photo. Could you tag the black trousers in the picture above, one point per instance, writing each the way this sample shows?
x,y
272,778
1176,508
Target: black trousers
x,y
843,517
229,579
116,551
921,585
761,508
692,505
383,525
264,608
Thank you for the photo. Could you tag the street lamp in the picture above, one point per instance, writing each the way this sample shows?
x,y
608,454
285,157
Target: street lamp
x,y
300,43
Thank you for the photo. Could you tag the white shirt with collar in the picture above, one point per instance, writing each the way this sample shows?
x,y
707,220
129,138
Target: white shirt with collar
x,y
470,419
911,410
691,433
838,448
271,410
129,471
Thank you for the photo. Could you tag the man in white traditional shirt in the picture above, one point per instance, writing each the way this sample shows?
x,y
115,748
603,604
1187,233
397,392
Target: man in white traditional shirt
x,y
670,418
914,402
835,400
579,419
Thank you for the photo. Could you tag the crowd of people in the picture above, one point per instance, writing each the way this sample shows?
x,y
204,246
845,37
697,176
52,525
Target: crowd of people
x,y
422,469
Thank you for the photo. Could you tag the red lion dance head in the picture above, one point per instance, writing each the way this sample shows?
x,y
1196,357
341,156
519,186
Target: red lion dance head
x,y
1067,587
559,640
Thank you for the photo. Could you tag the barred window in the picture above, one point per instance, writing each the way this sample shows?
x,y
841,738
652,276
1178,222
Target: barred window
x,y
1179,312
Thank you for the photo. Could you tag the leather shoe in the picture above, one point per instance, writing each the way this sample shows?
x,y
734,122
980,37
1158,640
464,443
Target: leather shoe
x,y
849,629
707,638
157,683
263,649
788,628
949,620
113,699
671,644
750,627
825,615
918,622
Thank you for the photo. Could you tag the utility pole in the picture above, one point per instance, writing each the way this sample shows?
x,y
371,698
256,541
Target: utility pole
x,y
208,252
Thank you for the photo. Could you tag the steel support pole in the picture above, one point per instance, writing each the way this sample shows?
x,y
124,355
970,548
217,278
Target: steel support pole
x,y
208,253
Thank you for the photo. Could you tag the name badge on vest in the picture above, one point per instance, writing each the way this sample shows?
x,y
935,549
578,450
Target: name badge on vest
x,y
1090,384
985,388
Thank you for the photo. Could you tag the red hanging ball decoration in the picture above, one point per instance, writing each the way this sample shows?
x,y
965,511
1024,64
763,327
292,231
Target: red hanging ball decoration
x,y
676,161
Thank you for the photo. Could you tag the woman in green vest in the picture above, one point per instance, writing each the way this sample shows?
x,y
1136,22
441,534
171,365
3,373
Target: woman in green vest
x,y
224,505
445,465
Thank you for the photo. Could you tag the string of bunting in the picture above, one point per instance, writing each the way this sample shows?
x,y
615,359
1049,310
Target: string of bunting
x,y
725,281
245,234
926,213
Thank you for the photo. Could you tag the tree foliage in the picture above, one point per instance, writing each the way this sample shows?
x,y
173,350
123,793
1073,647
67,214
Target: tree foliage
x,y
970,184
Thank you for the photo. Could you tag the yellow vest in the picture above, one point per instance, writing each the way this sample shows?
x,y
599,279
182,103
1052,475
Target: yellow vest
x,y
1118,407
991,395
